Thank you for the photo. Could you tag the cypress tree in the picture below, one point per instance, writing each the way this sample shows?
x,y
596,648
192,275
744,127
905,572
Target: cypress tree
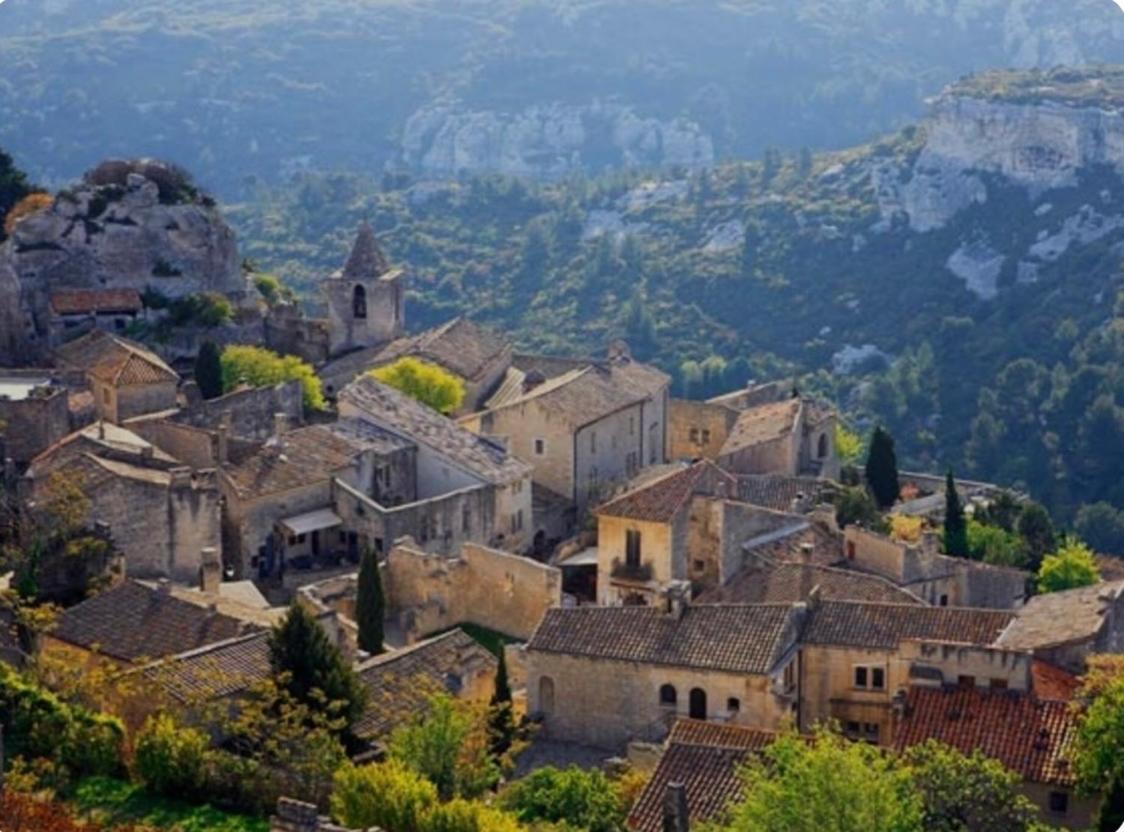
x,y
208,370
370,605
882,469
955,526
301,650
501,716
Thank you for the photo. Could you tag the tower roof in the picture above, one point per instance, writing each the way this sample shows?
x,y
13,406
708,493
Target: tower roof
x,y
366,259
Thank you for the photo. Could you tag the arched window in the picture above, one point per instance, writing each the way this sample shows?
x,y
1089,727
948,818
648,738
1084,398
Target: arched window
x,y
823,446
668,696
698,704
546,695
359,303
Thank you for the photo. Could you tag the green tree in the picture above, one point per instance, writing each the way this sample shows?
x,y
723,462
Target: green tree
x,y
13,188
583,799
170,760
955,526
311,668
208,370
882,468
829,783
370,604
259,367
1036,529
501,713
1101,526
855,507
387,795
993,545
429,384
1097,760
449,747
1072,566
967,793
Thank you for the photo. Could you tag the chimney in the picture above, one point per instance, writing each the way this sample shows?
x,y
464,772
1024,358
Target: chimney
x,y
675,816
806,551
210,571
280,424
101,430
223,451
677,598
164,586
814,598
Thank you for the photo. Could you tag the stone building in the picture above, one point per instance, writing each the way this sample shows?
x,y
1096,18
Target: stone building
x,y
794,437
1065,628
585,431
127,380
469,488
938,579
366,298
76,311
160,514
603,676
34,413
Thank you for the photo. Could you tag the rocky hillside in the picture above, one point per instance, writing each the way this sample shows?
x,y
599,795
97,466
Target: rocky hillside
x,y
260,89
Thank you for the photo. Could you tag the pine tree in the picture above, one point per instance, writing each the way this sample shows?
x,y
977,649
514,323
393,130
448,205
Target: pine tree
x,y
501,716
311,668
882,469
955,526
370,605
208,370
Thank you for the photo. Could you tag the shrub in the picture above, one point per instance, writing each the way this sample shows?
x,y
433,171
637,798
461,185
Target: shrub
x,y
207,309
428,383
258,367
467,816
30,204
272,289
584,799
170,760
1070,567
389,795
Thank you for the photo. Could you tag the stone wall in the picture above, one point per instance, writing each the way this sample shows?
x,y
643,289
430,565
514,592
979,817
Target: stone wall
x,y
954,662
31,425
289,332
698,430
191,446
775,456
129,401
251,412
657,555
249,524
494,589
602,454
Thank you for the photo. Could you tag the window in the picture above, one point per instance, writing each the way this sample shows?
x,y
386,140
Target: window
x,y
697,709
517,521
790,676
699,565
1059,803
668,696
733,704
944,600
119,324
343,537
966,682
821,451
870,732
466,519
998,684
632,548
359,303
695,435
705,436
301,538
877,678
860,677
870,678
540,447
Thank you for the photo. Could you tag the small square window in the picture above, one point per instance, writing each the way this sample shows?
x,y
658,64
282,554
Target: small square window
x,y
733,704
1059,803
852,729
706,437
966,682
695,435
540,447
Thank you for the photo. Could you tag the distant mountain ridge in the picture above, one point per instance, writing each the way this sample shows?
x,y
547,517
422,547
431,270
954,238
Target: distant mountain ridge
x,y
253,89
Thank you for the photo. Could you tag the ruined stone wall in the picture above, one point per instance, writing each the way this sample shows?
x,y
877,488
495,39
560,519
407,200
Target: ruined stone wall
x,y
191,446
289,332
31,425
251,412
140,399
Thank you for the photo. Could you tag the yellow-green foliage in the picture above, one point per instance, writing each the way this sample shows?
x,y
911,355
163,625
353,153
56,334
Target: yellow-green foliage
x,y
170,760
1072,566
848,444
468,816
429,384
906,529
261,368
389,795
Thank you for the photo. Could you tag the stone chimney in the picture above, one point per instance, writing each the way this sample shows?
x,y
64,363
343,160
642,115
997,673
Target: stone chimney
x,y
210,570
223,450
677,598
675,814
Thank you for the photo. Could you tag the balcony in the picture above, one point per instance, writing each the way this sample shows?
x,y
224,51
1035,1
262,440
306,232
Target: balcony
x,y
624,571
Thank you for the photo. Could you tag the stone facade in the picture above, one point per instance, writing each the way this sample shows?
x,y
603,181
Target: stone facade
x,y
31,419
698,430
366,299
250,413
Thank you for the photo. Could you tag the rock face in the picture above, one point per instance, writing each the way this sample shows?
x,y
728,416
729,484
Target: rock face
x,y
549,141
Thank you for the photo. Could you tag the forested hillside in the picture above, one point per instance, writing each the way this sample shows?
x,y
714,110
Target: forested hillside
x,y
246,89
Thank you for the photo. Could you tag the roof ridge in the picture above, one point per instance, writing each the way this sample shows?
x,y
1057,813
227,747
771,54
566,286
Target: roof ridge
x,y
409,649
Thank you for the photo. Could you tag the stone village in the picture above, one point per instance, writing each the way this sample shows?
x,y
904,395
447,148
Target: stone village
x,y
669,575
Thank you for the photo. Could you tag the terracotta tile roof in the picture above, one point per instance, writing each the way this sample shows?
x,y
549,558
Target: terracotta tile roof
x,y
762,424
1051,682
736,639
132,621
216,670
1062,617
883,626
115,360
298,458
660,500
459,346
400,684
779,492
85,301
1032,737
706,758
789,582
408,418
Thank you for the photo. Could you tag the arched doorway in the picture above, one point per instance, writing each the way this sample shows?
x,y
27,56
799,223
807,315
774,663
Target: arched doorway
x,y
698,704
546,695
359,303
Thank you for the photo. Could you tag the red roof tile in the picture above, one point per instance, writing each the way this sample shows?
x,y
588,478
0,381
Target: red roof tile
x,y
1050,682
660,500
1030,736
85,301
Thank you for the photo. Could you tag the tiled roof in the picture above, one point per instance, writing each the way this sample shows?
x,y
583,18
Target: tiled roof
x,y
790,582
1051,682
132,621
660,500
883,626
298,458
216,670
98,439
115,360
737,639
409,418
582,396
789,544
459,346
762,424
366,259
706,759
1061,617
1032,737
778,492
400,684
84,301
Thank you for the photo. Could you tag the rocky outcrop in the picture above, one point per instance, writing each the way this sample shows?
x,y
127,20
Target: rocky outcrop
x,y
549,141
